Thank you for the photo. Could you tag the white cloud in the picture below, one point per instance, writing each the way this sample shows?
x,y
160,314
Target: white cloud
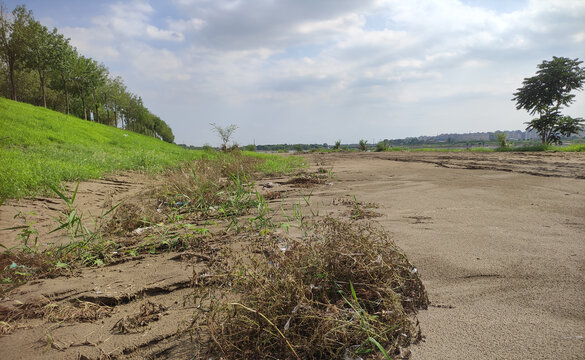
x,y
579,37
159,64
159,34
341,24
182,26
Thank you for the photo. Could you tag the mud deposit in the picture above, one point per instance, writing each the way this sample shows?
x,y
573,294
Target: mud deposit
x,y
498,239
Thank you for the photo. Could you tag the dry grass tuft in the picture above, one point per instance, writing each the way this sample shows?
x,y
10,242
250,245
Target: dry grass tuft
x,y
80,311
149,312
327,296
305,181
358,210
5,328
133,214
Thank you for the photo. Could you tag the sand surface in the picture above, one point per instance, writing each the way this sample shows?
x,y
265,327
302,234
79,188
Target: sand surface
x,y
501,252
499,240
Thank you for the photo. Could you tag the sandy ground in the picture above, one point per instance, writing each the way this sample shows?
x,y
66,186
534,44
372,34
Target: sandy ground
x,y
501,253
499,240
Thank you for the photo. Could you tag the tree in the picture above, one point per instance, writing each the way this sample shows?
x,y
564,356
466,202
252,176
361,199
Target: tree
x,y
62,70
363,145
501,137
547,93
41,52
224,133
110,95
87,76
13,39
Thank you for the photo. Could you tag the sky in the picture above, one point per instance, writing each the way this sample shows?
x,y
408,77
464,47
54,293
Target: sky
x,y
305,71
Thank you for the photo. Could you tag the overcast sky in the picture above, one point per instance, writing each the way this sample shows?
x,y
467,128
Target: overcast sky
x,y
296,71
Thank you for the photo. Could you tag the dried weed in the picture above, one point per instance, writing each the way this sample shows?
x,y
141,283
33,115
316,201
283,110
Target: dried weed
x,y
323,297
149,312
79,311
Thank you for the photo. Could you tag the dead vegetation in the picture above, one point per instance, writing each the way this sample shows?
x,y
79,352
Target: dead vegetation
x,y
149,312
358,210
307,180
78,311
334,294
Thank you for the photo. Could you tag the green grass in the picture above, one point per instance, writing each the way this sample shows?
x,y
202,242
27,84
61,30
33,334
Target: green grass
x,y
40,148
568,148
278,164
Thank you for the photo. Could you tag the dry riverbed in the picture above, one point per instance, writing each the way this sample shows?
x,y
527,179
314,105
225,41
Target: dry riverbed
x,y
498,239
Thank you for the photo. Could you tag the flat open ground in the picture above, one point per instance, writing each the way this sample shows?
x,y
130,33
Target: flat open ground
x,y
499,239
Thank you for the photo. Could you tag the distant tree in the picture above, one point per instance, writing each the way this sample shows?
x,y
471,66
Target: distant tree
x,y
63,66
87,76
546,93
112,98
501,137
41,53
382,146
337,145
13,39
224,133
163,130
363,145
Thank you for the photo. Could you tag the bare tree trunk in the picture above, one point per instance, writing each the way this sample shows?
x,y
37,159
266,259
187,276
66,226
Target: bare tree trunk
x,y
66,92
12,81
67,100
97,115
42,80
84,109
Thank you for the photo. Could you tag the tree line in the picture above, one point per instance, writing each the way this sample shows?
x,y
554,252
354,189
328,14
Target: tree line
x,y
39,66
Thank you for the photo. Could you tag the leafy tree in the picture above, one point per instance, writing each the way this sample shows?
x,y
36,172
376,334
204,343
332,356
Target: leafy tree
x,y
87,75
111,96
41,52
163,130
62,70
13,39
363,145
382,146
547,93
502,137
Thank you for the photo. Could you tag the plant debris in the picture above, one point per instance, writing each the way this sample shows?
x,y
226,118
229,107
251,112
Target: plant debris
x,y
149,312
326,296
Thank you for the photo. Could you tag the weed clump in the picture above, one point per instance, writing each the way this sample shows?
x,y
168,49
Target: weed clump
x,y
344,290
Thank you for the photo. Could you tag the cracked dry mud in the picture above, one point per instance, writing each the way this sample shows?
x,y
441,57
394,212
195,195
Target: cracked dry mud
x,y
498,239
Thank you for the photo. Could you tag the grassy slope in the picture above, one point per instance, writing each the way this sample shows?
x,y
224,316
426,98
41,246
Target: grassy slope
x,y
40,147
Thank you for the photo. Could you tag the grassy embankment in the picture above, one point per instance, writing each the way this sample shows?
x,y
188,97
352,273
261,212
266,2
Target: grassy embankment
x,y
40,148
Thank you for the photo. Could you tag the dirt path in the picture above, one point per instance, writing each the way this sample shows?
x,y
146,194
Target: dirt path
x,y
499,240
